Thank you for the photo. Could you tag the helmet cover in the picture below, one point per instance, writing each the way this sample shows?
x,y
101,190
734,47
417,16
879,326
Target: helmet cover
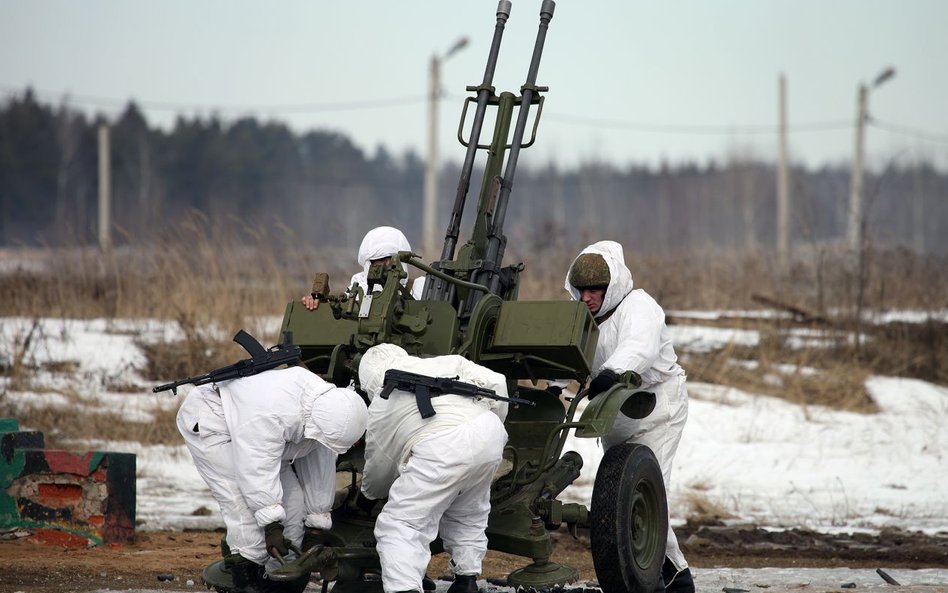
x,y
589,270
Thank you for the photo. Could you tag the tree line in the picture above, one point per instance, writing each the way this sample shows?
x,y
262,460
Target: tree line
x,y
261,177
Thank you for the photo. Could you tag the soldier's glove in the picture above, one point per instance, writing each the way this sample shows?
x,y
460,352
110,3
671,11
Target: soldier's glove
x,y
555,390
602,382
277,545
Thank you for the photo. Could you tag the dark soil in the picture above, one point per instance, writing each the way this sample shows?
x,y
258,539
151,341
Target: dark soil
x,y
181,556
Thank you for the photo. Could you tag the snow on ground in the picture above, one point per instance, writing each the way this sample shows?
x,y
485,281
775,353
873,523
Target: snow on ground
x,y
760,459
770,462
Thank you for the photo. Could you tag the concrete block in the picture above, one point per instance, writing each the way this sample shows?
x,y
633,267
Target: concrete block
x,y
62,497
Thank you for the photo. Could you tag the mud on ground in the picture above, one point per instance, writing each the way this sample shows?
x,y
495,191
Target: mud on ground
x,y
181,556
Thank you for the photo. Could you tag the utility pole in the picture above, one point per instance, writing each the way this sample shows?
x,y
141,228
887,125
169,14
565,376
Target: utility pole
x,y
105,189
430,210
854,225
783,181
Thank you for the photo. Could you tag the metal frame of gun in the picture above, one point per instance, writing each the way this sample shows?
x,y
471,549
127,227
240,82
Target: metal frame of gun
x,y
261,359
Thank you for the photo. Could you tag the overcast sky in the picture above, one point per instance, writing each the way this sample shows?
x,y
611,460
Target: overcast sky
x,y
630,81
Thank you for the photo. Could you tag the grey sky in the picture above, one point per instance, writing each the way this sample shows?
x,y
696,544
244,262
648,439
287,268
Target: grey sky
x,y
629,80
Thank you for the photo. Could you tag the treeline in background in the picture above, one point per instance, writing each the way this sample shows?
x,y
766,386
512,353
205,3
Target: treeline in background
x,y
218,226
320,187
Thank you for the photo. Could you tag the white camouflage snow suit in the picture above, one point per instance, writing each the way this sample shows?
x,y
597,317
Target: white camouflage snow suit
x,y
633,336
437,471
267,445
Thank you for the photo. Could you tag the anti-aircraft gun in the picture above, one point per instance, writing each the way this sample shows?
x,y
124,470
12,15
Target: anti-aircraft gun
x,y
470,307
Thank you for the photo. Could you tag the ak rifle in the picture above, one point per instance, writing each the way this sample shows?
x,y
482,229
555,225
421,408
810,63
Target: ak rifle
x,y
425,388
261,359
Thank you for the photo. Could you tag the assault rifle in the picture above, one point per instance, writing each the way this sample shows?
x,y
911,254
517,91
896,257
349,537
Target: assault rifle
x,y
425,388
261,359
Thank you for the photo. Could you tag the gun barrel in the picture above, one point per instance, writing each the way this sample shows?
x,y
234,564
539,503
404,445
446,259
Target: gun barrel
x,y
495,244
173,386
436,288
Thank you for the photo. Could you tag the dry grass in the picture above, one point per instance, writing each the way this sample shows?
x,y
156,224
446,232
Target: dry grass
x,y
211,284
70,419
702,509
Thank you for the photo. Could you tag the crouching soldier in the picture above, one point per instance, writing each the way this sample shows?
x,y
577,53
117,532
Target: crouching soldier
x,y
434,460
267,445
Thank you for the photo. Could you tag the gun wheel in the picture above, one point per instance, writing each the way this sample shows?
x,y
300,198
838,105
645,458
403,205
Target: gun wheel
x,y
628,520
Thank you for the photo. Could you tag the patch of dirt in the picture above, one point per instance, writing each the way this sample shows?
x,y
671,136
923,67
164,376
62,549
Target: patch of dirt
x,y
181,556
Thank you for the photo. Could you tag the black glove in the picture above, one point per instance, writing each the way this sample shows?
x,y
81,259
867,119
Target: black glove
x,y
276,543
602,382
554,389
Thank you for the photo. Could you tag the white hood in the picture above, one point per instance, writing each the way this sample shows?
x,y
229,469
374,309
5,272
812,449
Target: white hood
x,y
620,277
337,419
383,241
374,363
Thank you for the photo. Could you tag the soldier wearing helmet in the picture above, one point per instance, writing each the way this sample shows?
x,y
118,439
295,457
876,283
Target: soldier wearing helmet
x,y
633,336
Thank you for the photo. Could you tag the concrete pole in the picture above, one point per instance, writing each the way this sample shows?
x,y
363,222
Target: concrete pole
x,y
854,225
430,213
783,180
105,189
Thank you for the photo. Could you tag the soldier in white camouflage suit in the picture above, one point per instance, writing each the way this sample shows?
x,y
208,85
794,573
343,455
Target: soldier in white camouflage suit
x,y
633,336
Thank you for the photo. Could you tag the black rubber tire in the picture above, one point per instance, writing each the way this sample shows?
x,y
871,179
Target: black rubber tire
x,y
628,520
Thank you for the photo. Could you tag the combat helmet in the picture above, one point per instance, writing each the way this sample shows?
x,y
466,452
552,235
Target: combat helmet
x,y
589,270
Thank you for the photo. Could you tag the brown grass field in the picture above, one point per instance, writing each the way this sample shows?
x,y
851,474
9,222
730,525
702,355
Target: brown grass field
x,y
201,280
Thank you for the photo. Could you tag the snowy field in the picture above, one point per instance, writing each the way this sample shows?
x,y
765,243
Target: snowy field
x,y
762,460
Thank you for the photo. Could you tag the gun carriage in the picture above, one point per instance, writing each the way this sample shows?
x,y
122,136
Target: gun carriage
x,y
470,307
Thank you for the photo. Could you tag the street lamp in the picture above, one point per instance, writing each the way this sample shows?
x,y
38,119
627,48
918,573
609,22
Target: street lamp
x,y
430,209
854,228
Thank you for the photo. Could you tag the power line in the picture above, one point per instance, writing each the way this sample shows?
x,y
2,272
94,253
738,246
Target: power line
x,y
361,105
907,131
694,128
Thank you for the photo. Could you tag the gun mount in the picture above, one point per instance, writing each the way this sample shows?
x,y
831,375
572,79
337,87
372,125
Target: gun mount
x,y
470,307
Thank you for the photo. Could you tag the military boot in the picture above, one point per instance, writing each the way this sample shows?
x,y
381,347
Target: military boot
x,y
248,578
677,581
464,583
